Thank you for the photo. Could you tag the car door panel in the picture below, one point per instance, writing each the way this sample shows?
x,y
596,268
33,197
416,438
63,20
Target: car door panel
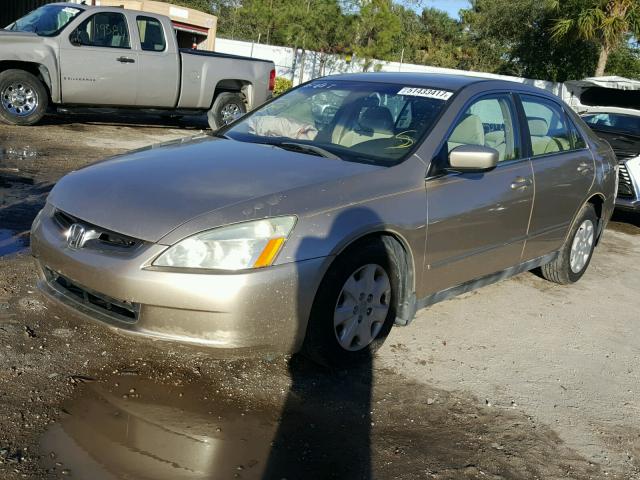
x,y
564,172
562,182
94,71
477,223
159,60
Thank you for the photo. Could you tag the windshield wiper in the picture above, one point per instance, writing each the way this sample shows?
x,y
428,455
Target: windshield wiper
x,y
309,149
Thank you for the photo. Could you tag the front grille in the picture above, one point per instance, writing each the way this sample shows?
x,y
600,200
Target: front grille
x,y
106,239
625,187
123,311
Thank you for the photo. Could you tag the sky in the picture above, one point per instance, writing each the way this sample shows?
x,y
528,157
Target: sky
x,y
450,6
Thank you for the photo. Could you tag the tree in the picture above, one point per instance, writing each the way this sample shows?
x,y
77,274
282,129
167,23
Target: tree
x,y
625,61
374,30
513,37
605,22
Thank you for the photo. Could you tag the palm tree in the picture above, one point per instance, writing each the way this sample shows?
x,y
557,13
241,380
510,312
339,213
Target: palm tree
x,y
606,22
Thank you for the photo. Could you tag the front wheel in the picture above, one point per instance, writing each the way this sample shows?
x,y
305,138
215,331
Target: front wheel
x,y
575,255
23,98
226,108
355,306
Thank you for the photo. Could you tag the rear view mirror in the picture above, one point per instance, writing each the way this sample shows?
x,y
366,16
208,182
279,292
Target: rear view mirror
x,y
473,158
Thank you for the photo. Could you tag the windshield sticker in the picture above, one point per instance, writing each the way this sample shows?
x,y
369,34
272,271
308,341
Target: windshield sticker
x,y
70,10
426,92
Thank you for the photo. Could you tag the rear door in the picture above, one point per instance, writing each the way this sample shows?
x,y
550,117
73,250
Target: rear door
x,y
158,60
97,62
564,171
477,222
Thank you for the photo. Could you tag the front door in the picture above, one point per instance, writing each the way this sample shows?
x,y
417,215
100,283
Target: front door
x,y
160,63
564,170
477,222
98,65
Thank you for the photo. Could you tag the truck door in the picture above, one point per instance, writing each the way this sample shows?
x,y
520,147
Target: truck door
x,y
159,62
98,65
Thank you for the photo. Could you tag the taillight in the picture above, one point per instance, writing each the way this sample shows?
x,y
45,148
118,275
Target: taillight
x,y
272,80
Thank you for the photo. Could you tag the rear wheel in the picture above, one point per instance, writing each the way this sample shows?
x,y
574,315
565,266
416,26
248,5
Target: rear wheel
x,y
23,98
226,108
355,306
575,255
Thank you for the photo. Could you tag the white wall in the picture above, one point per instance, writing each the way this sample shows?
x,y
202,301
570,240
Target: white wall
x,y
285,58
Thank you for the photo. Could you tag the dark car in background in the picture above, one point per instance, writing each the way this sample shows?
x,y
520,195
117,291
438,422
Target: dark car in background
x,y
621,128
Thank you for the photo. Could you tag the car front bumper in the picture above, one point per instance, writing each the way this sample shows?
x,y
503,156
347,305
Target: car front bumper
x,y
262,310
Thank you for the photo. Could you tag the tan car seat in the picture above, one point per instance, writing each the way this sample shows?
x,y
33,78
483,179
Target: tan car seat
x,y
541,142
497,141
374,123
468,132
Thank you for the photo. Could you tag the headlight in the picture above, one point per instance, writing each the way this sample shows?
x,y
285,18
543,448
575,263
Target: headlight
x,y
244,245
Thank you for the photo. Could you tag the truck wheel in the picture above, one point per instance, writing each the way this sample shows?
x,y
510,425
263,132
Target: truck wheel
x,y
355,306
575,255
23,98
226,108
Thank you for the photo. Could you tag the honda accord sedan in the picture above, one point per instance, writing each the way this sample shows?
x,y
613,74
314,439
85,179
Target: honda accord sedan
x,y
330,214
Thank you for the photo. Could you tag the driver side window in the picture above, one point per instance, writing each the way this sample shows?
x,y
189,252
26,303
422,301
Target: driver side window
x,y
488,122
104,29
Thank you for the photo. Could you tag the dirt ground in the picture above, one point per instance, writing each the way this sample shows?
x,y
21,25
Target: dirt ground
x,y
523,379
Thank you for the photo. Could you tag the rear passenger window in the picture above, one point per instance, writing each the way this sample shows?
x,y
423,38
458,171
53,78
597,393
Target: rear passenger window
x,y
488,122
151,34
548,127
105,29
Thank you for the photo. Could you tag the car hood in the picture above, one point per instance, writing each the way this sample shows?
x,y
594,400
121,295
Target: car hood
x,y
17,34
150,192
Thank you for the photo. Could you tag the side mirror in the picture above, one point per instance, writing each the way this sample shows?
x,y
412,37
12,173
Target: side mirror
x,y
473,158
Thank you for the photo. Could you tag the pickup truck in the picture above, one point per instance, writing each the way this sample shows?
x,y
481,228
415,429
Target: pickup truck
x,y
66,55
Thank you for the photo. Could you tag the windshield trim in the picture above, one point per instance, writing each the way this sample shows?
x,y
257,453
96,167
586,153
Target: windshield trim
x,y
81,9
371,160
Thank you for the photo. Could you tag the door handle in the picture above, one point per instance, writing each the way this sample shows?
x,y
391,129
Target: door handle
x,y
584,167
125,60
521,183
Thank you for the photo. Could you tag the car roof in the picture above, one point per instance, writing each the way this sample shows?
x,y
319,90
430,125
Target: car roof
x,y
446,81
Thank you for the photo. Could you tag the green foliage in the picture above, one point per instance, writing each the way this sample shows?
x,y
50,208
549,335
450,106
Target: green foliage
x,y
547,39
282,85
625,62
606,23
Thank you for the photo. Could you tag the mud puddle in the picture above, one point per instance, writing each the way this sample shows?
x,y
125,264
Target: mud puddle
x,y
295,423
132,428
12,242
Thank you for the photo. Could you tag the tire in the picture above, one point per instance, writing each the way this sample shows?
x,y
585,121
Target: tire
x,y
23,98
321,343
225,109
583,236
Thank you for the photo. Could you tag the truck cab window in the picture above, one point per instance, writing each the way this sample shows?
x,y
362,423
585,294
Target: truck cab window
x,y
151,34
105,29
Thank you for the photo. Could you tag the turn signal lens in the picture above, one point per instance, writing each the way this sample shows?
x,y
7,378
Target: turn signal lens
x,y
269,253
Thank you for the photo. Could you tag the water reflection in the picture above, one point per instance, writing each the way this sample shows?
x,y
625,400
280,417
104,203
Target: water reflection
x,y
141,430
12,241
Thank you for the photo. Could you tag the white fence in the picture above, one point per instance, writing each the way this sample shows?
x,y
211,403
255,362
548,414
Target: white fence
x,y
299,67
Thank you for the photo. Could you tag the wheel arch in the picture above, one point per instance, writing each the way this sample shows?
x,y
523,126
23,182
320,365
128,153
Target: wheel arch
x,y
243,87
395,240
597,200
38,70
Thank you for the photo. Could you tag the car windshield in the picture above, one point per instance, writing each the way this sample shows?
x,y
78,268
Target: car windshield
x,y
46,21
355,121
619,122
